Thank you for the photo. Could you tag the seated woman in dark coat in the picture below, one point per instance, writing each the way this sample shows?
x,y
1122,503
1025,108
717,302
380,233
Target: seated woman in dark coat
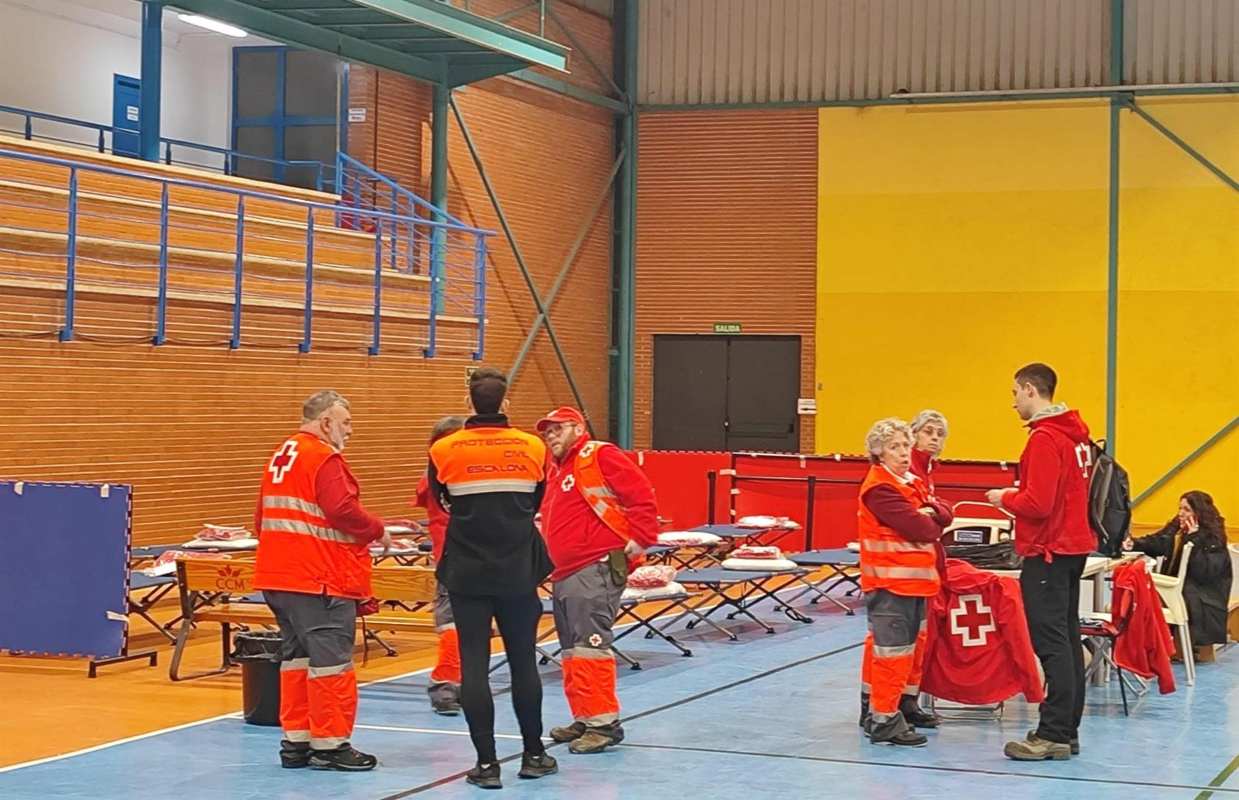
x,y
1206,590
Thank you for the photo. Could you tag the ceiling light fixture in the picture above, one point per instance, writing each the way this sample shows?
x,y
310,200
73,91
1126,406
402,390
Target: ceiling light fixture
x,y
212,25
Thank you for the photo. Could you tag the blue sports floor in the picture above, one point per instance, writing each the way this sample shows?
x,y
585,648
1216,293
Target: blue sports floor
x,y
764,717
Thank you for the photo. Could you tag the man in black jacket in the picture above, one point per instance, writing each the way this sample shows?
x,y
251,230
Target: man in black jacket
x,y
491,477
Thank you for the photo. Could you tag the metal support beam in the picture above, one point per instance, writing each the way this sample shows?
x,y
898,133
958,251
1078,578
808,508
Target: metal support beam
x,y
1192,456
565,268
570,90
304,34
520,258
1184,146
623,284
1112,283
584,51
152,80
1112,248
438,193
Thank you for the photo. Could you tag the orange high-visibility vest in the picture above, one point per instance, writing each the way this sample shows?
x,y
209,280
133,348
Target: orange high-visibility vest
x,y
887,560
298,550
489,460
587,476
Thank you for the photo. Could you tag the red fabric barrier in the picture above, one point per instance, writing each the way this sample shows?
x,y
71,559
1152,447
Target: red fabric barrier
x,y
681,486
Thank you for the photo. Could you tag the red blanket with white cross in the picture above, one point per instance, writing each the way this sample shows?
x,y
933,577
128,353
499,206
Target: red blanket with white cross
x,y
979,651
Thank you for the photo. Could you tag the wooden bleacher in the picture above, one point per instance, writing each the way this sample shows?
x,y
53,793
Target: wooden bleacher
x,y
118,233
208,586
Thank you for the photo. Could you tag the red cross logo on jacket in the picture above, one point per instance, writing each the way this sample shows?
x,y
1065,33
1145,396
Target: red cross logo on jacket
x,y
973,627
282,461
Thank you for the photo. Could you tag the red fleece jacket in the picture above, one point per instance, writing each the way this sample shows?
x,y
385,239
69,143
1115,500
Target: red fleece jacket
x,y
437,514
575,536
1051,505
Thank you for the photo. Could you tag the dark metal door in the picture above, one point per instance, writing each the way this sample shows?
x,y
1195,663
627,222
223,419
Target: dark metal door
x,y
690,393
726,393
763,384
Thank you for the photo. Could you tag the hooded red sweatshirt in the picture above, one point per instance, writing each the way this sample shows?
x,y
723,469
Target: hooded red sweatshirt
x,y
1051,505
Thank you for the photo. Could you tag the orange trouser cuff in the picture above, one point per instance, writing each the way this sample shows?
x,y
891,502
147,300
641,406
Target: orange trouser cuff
x,y
333,705
447,667
295,700
589,684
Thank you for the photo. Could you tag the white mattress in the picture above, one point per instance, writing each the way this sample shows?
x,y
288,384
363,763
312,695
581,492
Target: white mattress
x,y
672,589
758,564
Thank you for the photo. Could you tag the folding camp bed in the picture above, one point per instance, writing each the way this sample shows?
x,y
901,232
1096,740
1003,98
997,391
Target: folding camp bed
x,y
752,587
838,562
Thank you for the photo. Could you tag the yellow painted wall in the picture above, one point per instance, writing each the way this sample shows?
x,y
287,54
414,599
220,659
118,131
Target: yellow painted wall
x,y
1179,301
956,243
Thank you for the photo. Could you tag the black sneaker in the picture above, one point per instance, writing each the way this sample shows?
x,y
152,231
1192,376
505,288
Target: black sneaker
x,y
538,766
342,759
895,731
294,755
907,738
485,776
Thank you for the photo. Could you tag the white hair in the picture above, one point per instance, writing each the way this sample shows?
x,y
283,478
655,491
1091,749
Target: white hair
x,y
881,434
927,416
320,403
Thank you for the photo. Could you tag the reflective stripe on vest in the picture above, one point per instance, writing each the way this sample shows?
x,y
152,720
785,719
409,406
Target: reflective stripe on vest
x,y
887,560
587,475
298,549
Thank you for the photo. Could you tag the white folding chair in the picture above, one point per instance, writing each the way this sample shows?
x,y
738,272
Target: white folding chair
x,y
1171,590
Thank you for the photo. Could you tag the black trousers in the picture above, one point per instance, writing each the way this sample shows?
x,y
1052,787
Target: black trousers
x,y
1052,606
517,617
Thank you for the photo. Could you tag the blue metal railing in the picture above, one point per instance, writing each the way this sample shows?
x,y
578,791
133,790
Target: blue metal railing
x,y
458,252
365,189
323,173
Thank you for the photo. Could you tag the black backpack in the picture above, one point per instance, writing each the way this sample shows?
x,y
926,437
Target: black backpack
x,y
1109,500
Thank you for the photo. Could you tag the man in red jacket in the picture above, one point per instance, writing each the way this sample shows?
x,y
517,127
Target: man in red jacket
x,y
599,513
1053,535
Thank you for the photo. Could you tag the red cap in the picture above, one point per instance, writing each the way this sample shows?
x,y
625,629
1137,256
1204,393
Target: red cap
x,y
561,414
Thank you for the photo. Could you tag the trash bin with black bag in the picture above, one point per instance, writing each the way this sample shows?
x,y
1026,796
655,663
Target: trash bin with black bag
x,y
258,653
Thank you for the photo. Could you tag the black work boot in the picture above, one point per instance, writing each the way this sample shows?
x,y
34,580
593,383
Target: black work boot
x,y
895,731
294,755
916,716
343,759
864,710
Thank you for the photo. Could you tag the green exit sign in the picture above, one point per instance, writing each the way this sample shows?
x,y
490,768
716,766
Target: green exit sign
x,y
727,327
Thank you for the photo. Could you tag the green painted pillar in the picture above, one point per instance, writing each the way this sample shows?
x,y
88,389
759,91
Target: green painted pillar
x,y
1112,271
626,223
438,189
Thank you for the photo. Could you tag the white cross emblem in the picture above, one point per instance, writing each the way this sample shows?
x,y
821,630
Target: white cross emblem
x,y
980,619
282,461
588,449
568,482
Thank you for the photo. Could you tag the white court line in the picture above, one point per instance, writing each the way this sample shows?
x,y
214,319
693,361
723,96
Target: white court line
x,y
237,715
399,729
